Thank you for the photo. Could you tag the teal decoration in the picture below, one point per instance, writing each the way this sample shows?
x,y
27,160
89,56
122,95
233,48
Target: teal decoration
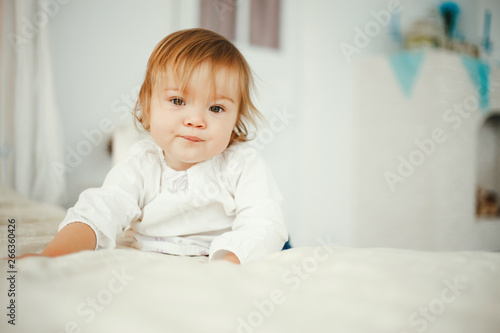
x,y
287,246
479,74
449,12
406,66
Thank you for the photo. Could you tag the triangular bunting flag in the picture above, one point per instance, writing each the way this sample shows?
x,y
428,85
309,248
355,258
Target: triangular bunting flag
x,y
406,66
479,74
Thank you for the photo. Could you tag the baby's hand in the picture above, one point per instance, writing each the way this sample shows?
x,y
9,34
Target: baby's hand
x,y
30,255
24,256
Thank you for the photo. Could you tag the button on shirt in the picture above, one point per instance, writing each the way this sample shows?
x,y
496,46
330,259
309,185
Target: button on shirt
x,y
227,203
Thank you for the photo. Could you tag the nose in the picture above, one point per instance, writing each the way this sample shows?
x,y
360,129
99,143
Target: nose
x,y
195,118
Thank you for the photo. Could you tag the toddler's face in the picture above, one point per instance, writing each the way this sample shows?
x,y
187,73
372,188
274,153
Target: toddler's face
x,y
194,126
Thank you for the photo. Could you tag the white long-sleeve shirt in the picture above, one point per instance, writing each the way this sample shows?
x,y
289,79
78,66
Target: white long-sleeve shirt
x,y
228,203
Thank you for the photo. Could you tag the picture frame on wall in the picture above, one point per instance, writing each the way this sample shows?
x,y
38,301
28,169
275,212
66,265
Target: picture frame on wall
x,y
265,23
219,16
264,20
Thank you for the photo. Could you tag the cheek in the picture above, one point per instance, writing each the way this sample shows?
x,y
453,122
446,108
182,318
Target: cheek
x,y
160,125
228,131
227,136
229,126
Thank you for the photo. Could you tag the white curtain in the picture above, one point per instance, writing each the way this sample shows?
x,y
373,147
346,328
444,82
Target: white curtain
x,y
30,131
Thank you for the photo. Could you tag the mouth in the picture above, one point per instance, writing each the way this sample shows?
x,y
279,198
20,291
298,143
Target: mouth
x,y
192,138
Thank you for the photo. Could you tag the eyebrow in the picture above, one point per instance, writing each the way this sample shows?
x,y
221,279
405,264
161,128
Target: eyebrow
x,y
224,97
218,97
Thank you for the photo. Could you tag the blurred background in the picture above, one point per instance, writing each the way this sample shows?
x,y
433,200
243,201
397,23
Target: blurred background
x,y
383,116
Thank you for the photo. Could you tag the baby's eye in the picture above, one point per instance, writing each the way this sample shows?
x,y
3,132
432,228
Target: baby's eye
x,y
216,108
177,101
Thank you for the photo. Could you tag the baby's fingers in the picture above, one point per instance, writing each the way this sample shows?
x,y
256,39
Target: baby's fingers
x,y
30,255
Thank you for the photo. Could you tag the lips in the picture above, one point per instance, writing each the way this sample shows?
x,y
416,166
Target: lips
x,y
192,138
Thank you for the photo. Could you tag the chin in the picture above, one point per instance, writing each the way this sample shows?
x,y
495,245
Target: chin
x,y
191,159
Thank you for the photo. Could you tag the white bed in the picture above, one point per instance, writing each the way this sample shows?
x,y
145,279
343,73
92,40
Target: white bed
x,y
309,289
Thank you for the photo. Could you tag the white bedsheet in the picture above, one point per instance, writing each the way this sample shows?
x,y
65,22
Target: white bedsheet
x,y
36,223
309,289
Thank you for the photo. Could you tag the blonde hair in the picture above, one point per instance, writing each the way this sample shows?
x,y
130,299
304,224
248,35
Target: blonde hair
x,y
182,52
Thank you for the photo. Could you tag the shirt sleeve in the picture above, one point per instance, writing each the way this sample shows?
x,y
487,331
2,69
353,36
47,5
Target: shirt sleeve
x,y
258,228
110,208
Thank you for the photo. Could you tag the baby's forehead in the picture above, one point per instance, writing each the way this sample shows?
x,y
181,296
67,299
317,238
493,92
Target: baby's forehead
x,y
201,78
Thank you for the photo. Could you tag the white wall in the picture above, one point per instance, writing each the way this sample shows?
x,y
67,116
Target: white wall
x,y
100,52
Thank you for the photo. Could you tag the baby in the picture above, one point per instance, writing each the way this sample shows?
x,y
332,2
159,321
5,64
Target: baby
x,y
196,188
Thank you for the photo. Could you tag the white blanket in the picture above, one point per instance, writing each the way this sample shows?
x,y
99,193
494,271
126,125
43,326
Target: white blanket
x,y
309,289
